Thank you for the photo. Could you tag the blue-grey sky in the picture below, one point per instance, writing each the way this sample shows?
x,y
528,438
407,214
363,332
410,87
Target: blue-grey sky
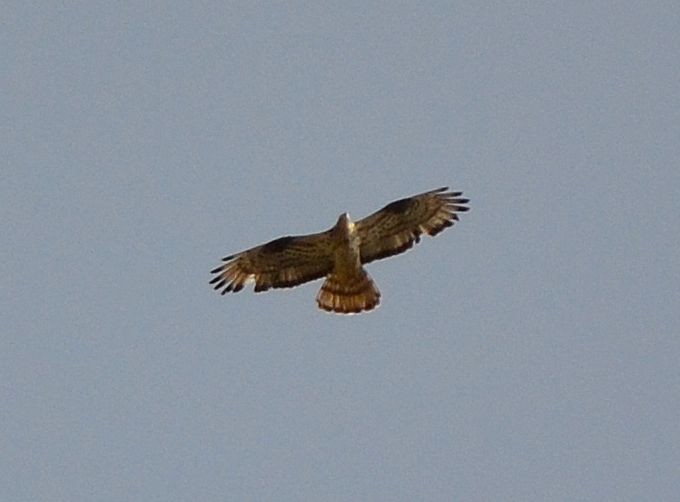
x,y
529,353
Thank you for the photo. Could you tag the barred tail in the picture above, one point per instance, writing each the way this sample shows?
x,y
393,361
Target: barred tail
x,y
349,295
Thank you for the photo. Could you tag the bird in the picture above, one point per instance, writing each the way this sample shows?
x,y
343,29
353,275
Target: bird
x,y
340,253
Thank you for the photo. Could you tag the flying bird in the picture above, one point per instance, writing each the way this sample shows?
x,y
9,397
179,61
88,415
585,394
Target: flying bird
x,y
338,254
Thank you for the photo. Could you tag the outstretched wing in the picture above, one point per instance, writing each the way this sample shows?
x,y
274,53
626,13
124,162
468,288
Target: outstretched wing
x,y
281,263
397,226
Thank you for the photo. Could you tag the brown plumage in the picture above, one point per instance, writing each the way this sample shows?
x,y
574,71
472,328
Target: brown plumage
x,y
339,253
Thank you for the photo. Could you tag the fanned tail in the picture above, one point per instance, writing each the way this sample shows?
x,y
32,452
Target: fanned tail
x,y
348,295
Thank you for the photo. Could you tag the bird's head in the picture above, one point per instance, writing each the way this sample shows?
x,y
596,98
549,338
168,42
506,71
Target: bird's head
x,y
345,221
345,224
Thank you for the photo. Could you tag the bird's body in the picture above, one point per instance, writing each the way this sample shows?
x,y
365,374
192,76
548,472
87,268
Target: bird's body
x,y
348,288
340,252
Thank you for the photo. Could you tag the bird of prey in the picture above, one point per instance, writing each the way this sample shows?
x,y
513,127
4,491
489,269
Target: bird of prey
x,y
338,254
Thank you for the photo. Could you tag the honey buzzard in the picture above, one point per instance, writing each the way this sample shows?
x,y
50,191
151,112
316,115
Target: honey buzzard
x,y
339,253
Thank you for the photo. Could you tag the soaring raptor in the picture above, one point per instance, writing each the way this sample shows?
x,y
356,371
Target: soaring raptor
x,y
339,253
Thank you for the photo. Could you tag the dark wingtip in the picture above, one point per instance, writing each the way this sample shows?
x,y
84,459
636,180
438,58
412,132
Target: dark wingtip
x,y
218,269
220,285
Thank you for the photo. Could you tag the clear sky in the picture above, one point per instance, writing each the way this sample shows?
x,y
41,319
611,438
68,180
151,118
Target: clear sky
x,y
529,353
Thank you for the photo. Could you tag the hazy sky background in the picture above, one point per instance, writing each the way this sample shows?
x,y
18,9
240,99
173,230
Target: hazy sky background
x,y
530,353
